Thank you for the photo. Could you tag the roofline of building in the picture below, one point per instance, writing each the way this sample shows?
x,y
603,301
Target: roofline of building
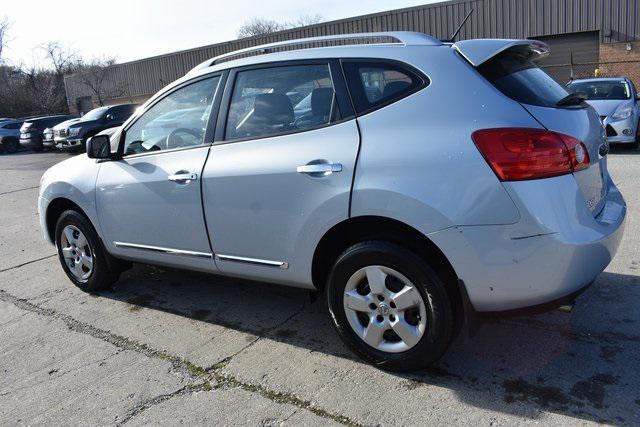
x,y
281,32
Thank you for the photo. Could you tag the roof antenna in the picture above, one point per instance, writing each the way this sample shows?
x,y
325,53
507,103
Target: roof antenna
x,y
453,37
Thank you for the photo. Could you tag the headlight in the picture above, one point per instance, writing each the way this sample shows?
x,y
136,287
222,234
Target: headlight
x,y
74,131
623,113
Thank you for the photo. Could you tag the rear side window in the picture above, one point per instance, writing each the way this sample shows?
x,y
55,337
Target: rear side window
x,y
514,74
374,84
286,99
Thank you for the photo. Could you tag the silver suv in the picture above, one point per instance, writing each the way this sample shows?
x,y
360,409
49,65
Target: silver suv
x,y
417,184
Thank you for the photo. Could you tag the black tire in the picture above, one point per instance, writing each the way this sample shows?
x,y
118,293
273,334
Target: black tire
x,y
37,148
10,146
106,269
439,311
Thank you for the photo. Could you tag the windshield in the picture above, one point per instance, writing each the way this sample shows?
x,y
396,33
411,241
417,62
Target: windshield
x,y
94,114
602,89
515,75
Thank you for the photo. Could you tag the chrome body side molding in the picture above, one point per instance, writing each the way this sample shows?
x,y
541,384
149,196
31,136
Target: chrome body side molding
x,y
171,251
264,262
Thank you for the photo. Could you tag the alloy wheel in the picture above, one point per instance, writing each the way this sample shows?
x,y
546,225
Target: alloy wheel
x,y
385,309
77,253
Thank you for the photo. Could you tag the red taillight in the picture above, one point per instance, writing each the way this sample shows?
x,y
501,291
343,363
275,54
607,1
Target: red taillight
x,y
517,154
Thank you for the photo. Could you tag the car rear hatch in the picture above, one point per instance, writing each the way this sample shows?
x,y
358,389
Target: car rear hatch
x,y
510,66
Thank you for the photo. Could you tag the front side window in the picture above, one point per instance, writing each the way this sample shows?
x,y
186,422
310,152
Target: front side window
x,y
373,84
271,101
178,120
604,89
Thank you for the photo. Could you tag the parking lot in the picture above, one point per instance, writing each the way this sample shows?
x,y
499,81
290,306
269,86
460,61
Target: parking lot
x,y
177,347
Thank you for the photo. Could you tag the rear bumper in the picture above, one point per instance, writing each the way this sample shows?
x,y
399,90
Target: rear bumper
x,y
556,249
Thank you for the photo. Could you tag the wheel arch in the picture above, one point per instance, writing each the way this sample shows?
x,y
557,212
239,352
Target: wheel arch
x,y
55,209
362,228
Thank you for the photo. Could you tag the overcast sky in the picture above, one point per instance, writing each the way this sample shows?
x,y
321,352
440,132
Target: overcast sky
x,y
134,29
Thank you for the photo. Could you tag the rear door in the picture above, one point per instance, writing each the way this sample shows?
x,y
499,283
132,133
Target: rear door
x,y
280,172
514,72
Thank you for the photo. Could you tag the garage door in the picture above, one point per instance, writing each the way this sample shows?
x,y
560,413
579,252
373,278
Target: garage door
x,y
585,49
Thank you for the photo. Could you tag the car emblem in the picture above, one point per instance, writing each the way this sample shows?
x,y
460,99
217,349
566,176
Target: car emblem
x,y
603,150
384,309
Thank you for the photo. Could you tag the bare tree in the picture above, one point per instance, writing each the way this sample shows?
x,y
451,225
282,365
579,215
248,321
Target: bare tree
x,y
305,20
98,77
4,29
258,27
61,58
261,26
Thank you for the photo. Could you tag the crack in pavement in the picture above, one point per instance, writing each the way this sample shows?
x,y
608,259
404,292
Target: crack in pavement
x,y
147,404
178,364
17,191
27,263
264,334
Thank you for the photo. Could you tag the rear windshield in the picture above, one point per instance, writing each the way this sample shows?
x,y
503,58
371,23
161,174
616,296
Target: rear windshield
x,y
601,89
515,75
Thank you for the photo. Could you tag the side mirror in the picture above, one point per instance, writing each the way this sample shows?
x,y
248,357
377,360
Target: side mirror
x,y
99,147
109,117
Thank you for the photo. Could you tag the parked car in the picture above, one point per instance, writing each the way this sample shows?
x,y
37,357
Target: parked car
x,y
470,184
10,135
49,134
31,132
75,135
617,102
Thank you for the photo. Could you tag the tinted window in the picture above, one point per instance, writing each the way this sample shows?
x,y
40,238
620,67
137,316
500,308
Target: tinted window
x,y
122,111
271,101
12,126
602,89
515,75
178,120
373,84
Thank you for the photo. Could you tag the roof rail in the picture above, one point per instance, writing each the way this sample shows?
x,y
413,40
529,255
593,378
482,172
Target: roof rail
x,y
404,38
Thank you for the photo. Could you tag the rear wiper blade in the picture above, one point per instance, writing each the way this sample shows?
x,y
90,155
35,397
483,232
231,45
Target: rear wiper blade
x,y
572,99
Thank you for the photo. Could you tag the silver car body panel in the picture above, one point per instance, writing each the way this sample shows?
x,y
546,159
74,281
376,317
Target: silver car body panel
x,y
513,244
253,192
142,210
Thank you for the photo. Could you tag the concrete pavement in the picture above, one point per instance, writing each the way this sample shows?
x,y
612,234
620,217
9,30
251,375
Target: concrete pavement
x,y
171,347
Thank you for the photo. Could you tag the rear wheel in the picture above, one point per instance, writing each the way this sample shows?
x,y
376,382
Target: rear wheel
x,y
389,306
81,254
37,147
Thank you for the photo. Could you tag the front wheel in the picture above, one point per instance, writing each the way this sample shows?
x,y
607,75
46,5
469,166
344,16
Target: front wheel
x,y
389,306
11,146
83,258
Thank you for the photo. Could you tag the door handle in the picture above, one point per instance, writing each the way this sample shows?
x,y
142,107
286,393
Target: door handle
x,y
320,169
183,177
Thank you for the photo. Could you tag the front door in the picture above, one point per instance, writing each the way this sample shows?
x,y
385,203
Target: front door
x,y
149,202
280,173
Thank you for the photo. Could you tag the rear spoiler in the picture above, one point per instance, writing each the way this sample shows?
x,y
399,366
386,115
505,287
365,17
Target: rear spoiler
x,y
479,51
